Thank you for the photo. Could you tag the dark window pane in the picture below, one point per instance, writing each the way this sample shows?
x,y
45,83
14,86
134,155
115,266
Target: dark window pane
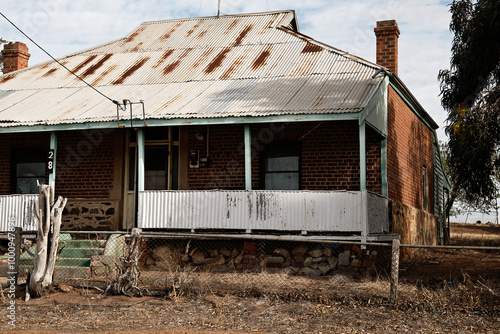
x,y
155,180
283,164
156,157
175,167
156,133
29,166
175,133
133,136
155,164
28,185
282,181
30,169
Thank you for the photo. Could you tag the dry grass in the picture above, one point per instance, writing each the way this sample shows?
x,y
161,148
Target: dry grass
x,y
466,294
475,234
476,239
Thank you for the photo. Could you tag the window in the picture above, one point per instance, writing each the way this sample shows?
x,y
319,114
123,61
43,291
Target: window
x,y
425,199
156,167
282,166
28,167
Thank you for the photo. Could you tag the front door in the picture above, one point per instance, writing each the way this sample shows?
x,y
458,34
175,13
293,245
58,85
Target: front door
x,y
161,166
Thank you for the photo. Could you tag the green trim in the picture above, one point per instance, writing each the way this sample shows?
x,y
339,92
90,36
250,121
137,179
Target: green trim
x,y
412,106
184,121
248,158
362,156
53,146
140,159
383,162
375,111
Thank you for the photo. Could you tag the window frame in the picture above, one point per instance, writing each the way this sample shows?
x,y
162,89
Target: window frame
x,y
27,156
425,192
277,149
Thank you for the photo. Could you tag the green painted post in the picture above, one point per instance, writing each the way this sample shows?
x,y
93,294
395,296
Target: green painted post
x,y
140,159
362,156
383,158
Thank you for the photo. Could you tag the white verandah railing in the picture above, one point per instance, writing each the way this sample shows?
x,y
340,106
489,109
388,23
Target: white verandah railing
x,y
360,212
357,212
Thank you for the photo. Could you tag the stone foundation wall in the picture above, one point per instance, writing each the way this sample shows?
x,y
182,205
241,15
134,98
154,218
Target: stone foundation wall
x,y
416,227
312,260
89,215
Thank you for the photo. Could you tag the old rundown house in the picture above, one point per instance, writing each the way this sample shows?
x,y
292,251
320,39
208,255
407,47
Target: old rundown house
x,y
237,124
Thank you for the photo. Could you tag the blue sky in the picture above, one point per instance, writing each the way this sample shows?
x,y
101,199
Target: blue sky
x,y
66,26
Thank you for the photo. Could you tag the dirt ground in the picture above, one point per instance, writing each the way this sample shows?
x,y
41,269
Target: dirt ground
x,y
84,311
333,305
452,264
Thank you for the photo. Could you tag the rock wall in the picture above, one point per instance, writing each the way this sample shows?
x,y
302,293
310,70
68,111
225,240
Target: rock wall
x,y
416,227
88,215
296,259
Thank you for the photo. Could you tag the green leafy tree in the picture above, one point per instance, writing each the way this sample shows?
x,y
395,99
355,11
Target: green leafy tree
x,y
470,93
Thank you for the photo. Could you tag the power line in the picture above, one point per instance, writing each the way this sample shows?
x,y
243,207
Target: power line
x,y
57,61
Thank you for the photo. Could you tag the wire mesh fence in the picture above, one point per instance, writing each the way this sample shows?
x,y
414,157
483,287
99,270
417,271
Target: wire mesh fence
x,y
476,217
91,259
172,265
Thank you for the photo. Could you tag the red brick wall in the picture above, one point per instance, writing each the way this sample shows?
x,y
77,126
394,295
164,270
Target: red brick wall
x,y
373,161
409,148
10,142
330,155
84,161
227,158
85,164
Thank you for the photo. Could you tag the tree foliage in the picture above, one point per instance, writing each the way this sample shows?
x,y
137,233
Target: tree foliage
x,y
470,92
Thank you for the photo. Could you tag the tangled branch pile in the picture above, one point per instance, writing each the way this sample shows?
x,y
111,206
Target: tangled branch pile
x,y
126,278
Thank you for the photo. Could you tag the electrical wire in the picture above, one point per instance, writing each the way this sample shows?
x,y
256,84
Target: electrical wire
x,y
70,71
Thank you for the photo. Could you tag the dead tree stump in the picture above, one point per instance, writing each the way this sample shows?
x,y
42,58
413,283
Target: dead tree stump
x,y
49,216
126,280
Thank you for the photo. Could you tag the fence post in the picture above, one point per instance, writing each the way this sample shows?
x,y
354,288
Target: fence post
x,y
394,271
17,250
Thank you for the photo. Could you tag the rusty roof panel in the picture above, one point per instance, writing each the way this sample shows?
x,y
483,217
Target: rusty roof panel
x,y
83,64
235,65
310,47
130,71
92,69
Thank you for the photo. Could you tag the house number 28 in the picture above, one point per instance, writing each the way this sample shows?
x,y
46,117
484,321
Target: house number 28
x,y
50,161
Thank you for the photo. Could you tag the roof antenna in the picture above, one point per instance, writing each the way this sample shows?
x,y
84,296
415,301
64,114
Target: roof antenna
x,y
218,9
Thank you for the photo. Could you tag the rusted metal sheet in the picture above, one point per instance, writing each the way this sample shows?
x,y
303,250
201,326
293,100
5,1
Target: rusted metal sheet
x,y
311,211
18,211
235,65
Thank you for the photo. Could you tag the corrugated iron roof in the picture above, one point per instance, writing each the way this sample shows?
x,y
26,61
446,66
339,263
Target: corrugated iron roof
x,y
235,65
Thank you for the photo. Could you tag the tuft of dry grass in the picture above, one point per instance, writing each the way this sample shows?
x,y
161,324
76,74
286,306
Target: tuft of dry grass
x,y
466,296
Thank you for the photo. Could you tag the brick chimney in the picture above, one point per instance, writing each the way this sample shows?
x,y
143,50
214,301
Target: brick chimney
x,y
15,56
387,33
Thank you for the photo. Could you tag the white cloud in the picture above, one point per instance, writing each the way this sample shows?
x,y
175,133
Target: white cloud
x,y
66,26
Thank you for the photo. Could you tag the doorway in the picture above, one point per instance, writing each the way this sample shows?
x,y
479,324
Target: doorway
x,y
161,166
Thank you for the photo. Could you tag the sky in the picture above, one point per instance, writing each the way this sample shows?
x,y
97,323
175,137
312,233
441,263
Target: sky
x,y
65,26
